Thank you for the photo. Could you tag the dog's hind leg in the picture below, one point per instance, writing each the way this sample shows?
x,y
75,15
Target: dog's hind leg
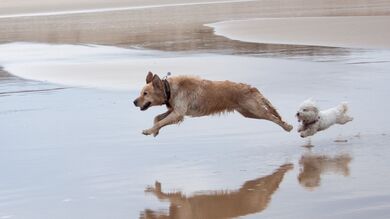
x,y
344,118
258,109
287,127
264,114
271,108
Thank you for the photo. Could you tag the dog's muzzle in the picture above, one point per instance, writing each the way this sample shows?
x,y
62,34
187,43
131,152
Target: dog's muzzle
x,y
298,116
146,106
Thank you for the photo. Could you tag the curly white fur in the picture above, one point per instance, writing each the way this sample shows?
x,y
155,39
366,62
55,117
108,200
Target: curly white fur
x,y
314,120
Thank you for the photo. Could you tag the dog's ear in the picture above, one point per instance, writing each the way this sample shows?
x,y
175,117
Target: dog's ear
x,y
149,77
157,83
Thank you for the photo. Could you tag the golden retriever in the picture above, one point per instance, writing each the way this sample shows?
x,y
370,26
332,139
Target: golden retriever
x,y
193,96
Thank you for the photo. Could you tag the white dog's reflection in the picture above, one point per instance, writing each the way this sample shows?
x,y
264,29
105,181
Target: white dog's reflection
x,y
252,197
313,166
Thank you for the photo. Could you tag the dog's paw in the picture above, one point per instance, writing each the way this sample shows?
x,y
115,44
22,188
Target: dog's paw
x,y
150,132
147,132
155,189
150,189
304,135
287,127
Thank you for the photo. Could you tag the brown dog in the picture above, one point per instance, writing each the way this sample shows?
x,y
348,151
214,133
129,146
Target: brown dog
x,y
192,96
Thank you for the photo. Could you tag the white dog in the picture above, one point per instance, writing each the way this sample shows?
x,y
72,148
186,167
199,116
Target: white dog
x,y
314,120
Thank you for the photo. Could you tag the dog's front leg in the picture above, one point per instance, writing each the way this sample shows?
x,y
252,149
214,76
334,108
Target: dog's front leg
x,y
162,116
301,128
156,190
171,118
175,198
308,132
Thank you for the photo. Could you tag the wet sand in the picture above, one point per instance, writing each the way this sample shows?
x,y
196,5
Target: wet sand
x,y
22,8
85,156
174,28
352,32
71,143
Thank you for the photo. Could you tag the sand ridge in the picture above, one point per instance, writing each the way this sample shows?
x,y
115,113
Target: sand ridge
x,y
167,28
341,31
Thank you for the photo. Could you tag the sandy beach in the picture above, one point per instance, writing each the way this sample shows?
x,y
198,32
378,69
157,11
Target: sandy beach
x,y
352,31
71,143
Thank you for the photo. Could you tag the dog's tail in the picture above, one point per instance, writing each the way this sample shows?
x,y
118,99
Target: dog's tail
x,y
343,107
271,108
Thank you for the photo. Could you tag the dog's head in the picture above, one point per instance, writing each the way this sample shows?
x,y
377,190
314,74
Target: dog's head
x,y
308,111
152,94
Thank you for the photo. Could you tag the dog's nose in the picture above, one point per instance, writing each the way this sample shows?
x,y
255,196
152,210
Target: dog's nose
x,y
297,114
135,102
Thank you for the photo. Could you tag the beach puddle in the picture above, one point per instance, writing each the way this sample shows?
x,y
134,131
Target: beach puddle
x,y
125,69
79,152
117,68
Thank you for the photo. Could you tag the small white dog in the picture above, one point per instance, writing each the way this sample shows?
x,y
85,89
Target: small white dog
x,y
314,120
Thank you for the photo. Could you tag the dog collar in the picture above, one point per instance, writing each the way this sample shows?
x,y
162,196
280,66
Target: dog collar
x,y
167,92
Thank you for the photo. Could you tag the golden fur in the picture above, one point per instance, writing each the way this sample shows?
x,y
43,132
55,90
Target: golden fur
x,y
252,197
193,96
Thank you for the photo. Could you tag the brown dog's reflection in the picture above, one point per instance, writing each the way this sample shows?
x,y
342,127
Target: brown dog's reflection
x,y
312,166
252,197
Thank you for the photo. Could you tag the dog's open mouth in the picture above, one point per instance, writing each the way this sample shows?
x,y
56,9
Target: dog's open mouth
x,y
298,117
146,106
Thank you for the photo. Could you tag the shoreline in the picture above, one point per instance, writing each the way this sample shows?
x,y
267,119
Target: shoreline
x,y
361,32
116,68
152,28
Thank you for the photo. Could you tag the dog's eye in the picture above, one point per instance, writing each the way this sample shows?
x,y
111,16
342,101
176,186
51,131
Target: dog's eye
x,y
304,110
145,93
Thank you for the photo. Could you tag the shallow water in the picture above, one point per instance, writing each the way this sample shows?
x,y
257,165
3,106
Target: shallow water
x,y
79,152
71,143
